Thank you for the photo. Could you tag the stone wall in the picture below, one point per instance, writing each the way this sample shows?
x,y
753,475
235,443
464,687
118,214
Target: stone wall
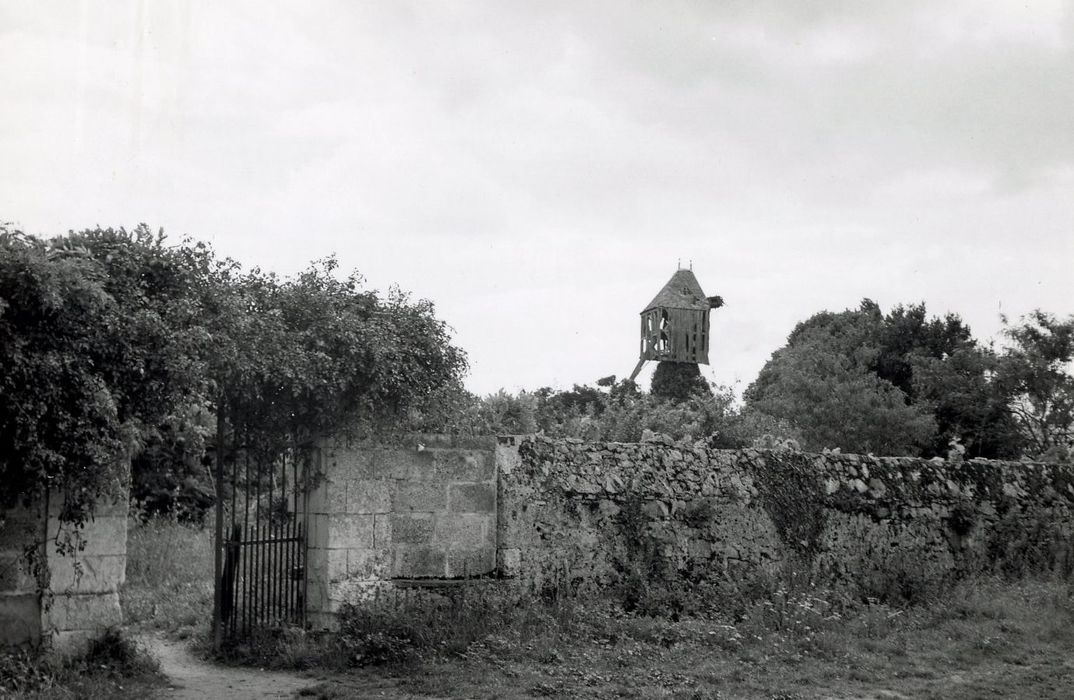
x,y
423,510
583,512
66,599
20,609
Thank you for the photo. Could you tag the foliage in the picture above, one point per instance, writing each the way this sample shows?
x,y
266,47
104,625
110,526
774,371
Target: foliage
x,y
1027,542
113,666
821,382
62,421
902,383
169,584
406,626
793,498
115,344
677,381
1035,371
614,411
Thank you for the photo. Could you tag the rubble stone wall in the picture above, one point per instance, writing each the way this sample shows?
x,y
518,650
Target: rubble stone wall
x,y
578,511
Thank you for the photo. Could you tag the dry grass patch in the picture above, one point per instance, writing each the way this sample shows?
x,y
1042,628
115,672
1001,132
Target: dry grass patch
x,y
169,585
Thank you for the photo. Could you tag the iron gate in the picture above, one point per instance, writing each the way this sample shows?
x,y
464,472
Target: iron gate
x,y
260,557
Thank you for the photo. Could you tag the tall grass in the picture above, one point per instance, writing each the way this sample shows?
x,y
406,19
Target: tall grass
x,y
169,584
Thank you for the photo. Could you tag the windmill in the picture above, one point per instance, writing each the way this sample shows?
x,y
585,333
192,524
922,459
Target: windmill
x,y
675,324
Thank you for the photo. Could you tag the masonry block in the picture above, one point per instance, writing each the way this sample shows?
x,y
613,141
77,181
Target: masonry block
x,y
69,643
317,530
353,461
413,465
20,619
100,573
369,496
417,562
419,496
14,576
330,495
463,465
345,531
472,498
316,564
462,530
367,564
414,528
436,440
470,562
102,535
382,530
509,561
93,611
336,564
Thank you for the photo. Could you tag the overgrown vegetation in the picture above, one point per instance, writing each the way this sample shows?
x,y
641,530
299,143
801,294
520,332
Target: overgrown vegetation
x,y
117,344
684,636
169,585
983,637
114,667
903,383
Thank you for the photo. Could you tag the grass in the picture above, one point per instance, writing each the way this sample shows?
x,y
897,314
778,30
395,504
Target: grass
x,y
113,667
169,587
985,637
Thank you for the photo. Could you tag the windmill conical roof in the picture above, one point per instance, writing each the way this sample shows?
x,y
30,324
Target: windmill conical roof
x,y
682,291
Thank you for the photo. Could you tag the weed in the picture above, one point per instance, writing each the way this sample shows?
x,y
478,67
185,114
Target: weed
x,y
169,577
113,666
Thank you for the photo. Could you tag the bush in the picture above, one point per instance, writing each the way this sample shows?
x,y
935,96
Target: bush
x,y
1029,542
111,661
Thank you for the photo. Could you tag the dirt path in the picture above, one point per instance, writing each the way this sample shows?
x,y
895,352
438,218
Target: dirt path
x,y
192,678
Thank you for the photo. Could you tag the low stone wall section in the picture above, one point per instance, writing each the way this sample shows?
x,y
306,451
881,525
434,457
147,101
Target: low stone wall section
x,y
422,510
578,511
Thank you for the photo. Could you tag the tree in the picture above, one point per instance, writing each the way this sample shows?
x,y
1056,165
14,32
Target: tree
x,y
821,383
849,377
968,405
115,342
60,416
678,381
1035,371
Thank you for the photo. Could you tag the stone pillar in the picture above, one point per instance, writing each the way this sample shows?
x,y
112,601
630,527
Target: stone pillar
x,y
81,594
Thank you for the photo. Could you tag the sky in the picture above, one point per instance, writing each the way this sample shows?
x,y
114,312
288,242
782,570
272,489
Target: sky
x,y
540,169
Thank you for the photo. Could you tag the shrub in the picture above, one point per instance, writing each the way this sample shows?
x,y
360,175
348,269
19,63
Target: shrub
x,y
1029,542
111,661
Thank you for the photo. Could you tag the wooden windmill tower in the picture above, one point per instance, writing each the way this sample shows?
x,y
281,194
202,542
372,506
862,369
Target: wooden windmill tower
x,y
675,324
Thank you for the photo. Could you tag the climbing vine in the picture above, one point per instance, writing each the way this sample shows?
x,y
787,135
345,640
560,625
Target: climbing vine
x,y
793,496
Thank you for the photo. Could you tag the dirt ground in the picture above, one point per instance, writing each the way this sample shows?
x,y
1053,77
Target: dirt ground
x,y
191,678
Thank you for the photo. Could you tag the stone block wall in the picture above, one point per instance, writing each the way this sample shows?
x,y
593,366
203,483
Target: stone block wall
x,y
583,512
20,607
422,510
80,593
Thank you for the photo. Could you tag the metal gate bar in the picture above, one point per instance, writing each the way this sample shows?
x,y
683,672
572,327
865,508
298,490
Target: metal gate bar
x,y
260,542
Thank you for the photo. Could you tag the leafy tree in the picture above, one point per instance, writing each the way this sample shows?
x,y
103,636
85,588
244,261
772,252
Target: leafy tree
x,y
1035,371
901,383
113,341
60,424
822,384
678,381
968,405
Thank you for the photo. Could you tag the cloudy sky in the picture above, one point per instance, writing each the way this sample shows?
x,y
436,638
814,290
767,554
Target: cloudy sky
x,y
539,168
